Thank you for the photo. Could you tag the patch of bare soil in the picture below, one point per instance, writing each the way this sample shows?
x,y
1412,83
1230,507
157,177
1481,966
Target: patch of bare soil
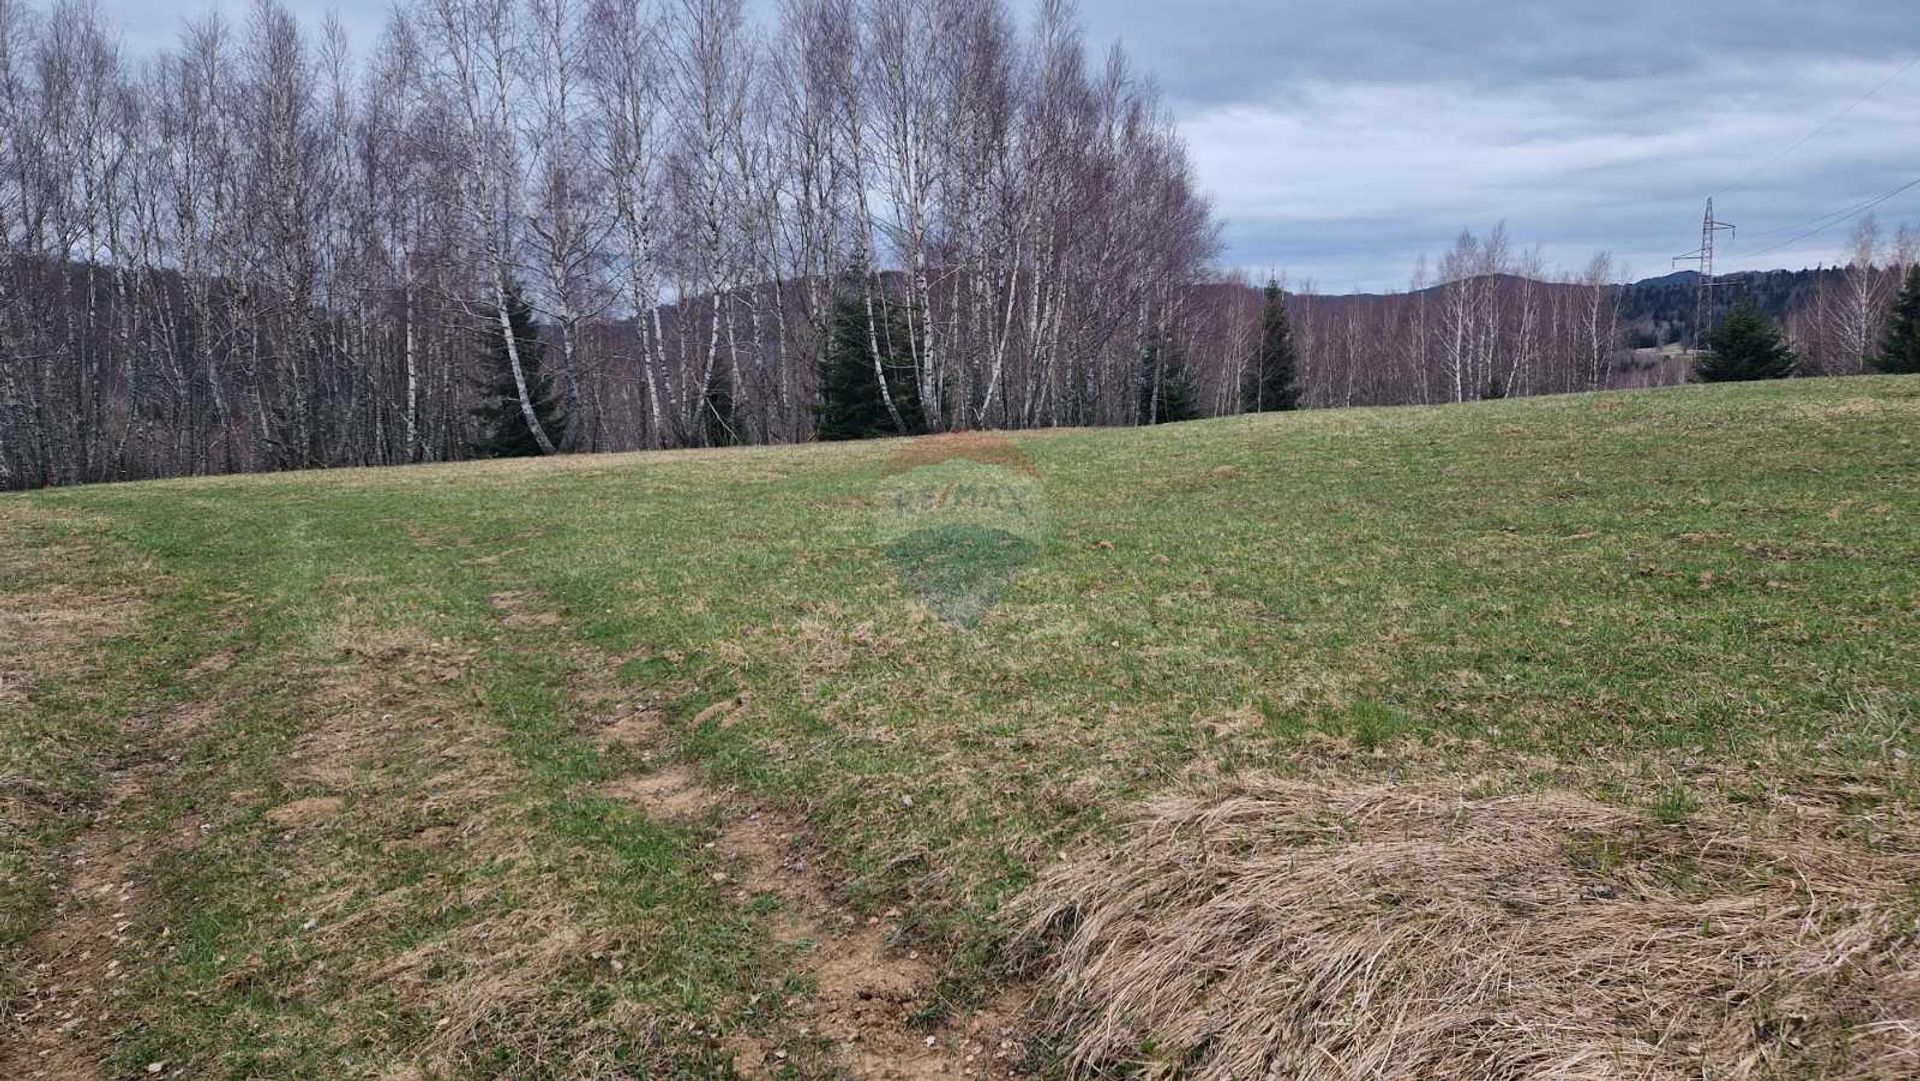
x,y
867,985
213,664
640,730
1334,931
310,811
518,610
669,793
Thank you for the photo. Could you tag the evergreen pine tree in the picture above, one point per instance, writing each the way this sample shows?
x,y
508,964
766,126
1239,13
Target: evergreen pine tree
x,y
1179,396
1167,390
718,414
851,405
1270,382
1744,346
1900,353
503,425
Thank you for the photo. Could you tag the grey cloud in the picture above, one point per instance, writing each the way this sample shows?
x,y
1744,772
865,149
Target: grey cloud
x,y
1342,139
1222,49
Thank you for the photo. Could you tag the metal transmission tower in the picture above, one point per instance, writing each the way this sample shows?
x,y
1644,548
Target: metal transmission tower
x,y
1703,306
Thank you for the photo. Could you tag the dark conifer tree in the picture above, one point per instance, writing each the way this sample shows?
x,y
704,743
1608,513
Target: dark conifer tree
x,y
718,413
1167,390
1272,382
1900,353
503,424
1744,346
851,405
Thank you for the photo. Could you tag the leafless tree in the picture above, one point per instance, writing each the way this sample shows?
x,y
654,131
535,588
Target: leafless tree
x,y
265,249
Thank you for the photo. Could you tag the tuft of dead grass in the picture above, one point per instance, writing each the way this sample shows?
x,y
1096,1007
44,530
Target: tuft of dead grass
x,y
512,983
310,811
1259,928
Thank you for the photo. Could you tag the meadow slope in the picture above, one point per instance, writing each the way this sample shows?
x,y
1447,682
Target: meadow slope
x,y
653,764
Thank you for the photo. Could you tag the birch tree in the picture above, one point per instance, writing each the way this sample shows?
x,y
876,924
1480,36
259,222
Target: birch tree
x,y
477,45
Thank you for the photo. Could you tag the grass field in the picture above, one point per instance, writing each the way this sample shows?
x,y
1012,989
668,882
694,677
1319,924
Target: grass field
x,y
654,765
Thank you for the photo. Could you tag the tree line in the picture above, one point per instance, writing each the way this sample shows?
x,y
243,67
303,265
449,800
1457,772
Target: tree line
x,y
1840,326
263,249
1863,316
541,226
1485,320
1489,319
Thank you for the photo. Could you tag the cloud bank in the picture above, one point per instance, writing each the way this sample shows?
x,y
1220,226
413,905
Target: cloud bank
x,y
1341,139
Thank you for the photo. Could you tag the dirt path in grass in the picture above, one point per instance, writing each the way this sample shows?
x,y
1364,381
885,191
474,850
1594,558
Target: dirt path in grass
x,y
59,1024
868,985
869,988
64,1017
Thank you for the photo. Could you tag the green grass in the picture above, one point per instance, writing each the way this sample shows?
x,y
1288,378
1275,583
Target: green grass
x,y
1664,598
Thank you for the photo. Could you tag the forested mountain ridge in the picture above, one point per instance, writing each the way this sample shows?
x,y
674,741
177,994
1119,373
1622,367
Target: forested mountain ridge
x,y
1661,311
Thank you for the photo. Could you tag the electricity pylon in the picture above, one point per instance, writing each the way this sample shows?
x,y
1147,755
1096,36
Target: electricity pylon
x,y
1703,303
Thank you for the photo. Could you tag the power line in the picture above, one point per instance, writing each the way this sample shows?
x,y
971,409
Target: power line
x,y
1809,227
1835,219
1824,125
1823,221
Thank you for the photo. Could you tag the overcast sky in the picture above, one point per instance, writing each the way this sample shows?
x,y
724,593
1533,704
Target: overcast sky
x,y
1340,139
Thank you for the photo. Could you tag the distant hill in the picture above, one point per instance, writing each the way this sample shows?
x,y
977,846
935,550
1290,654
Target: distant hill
x,y
1660,311
1653,311
1678,277
1375,348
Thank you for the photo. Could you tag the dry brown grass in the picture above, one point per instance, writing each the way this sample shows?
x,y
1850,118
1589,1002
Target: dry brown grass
x,y
43,632
984,447
1259,928
403,763
511,982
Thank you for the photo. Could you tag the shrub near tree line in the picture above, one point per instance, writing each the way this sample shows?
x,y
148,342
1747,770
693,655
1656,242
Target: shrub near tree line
x,y
1745,346
1900,353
